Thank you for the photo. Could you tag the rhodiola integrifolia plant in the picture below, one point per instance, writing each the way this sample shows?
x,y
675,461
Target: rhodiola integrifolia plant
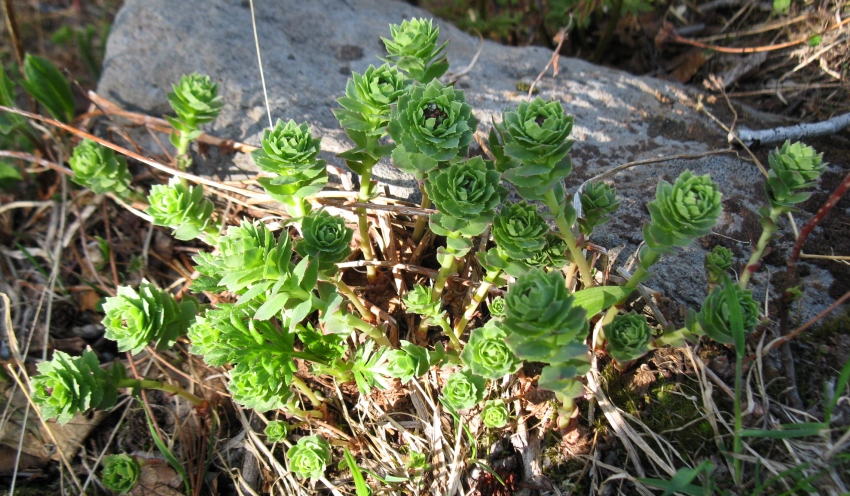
x,y
282,298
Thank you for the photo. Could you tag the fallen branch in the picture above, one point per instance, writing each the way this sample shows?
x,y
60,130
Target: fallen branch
x,y
793,133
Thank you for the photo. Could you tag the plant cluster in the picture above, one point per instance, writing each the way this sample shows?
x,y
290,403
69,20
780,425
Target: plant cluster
x,y
281,298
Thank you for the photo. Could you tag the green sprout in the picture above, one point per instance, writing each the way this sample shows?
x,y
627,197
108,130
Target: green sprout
x,y
495,414
714,318
135,318
276,431
262,384
325,238
121,473
717,263
463,390
519,231
195,100
414,49
488,355
309,457
412,361
184,209
629,337
290,153
69,385
598,201
366,104
793,169
98,168
497,307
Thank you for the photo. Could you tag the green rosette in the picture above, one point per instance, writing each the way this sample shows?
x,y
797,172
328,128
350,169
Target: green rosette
x,y
420,300
497,307
793,168
413,48
121,473
598,202
682,212
276,431
412,361
432,123
534,153
135,318
542,320
262,384
290,153
309,457
98,168
68,385
488,355
366,104
714,317
195,100
629,337
495,414
180,207
519,231
466,195
717,263
325,238
464,390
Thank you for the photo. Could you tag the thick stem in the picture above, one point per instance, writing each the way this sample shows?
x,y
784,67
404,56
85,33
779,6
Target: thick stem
x,y
302,386
448,266
363,225
352,297
454,340
761,245
368,329
161,386
477,298
421,222
577,257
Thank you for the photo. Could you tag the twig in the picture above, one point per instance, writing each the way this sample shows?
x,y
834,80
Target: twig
x,y
562,35
675,38
793,133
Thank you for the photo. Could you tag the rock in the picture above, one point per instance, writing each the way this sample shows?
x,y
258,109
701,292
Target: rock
x,y
310,48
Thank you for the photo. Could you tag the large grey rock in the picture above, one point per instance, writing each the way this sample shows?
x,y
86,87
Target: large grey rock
x,y
309,49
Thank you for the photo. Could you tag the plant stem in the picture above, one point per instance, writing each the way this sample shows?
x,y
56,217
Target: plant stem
x,y
421,222
373,332
302,386
566,231
477,298
352,297
363,224
454,340
648,258
752,264
161,386
448,266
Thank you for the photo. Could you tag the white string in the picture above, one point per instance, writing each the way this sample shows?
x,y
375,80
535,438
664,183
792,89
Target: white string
x,y
260,62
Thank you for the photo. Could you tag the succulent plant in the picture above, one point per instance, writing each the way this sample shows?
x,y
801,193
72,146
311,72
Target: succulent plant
x,y
717,263
497,307
463,390
495,414
367,100
262,383
715,319
414,49
182,208
562,378
432,123
598,201
248,253
629,337
555,253
326,238
520,231
66,386
793,168
195,100
98,168
135,318
121,473
290,153
419,300
412,361
682,212
487,354
535,145
466,195
309,457
276,431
